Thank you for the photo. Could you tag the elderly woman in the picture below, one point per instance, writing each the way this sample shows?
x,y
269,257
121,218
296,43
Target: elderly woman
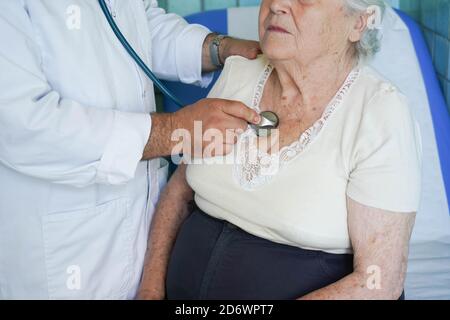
x,y
335,219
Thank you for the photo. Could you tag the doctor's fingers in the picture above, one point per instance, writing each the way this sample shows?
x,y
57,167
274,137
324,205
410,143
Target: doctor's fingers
x,y
232,133
227,148
224,131
231,128
217,150
240,111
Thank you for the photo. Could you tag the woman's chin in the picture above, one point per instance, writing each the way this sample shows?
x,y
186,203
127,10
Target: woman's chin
x,y
276,55
277,51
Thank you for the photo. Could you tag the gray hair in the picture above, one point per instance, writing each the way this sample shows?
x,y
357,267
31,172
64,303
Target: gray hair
x,y
371,39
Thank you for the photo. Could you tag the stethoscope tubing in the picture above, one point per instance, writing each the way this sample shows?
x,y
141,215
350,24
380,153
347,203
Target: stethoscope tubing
x,y
136,57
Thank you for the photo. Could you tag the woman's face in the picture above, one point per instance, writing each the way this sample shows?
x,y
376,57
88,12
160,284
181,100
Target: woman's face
x,y
305,30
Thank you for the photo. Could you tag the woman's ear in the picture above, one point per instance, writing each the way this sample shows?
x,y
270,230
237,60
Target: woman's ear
x,y
359,26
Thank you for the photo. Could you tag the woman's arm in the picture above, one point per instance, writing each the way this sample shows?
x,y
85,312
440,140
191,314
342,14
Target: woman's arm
x,y
172,210
380,241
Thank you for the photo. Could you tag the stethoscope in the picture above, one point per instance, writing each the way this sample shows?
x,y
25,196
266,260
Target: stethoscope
x,y
269,120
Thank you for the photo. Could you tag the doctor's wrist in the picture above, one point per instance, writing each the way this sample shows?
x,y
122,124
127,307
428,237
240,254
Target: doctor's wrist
x,y
159,143
225,49
212,52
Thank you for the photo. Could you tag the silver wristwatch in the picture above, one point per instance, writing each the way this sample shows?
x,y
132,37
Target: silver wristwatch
x,y
214,50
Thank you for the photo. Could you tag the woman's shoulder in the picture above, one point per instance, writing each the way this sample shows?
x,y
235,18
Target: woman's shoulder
x,y
244,64
376,84
385,114
245,71
239,77
381,98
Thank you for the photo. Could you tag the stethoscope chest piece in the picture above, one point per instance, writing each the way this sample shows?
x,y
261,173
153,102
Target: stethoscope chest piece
x,y
269,122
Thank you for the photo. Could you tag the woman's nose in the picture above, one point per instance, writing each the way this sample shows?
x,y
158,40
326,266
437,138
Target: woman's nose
x,y
280,6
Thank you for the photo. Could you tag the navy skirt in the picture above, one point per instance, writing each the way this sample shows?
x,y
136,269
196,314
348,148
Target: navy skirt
x,y
214,260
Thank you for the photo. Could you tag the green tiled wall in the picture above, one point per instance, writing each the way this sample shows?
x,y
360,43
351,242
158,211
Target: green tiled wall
x,y
434,15
412,7
185,7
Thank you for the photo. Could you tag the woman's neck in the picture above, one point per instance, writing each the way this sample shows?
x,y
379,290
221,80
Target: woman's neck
x,y
311,85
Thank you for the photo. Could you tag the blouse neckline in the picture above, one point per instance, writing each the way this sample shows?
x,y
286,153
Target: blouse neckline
x,y
255,167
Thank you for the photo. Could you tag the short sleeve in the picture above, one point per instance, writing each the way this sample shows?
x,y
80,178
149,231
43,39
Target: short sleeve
x,y
219,89
387,155
238,78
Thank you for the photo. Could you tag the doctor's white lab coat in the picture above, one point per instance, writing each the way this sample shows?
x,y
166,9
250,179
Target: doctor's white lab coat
x,y
75,199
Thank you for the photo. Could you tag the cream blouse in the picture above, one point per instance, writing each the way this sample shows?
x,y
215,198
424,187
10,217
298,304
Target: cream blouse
x,y
366,146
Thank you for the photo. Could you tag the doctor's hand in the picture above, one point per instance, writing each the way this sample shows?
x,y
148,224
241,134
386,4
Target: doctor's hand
x,y
212,126
237,47
205,129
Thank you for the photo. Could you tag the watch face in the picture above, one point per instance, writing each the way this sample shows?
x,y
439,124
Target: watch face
x,y
217,40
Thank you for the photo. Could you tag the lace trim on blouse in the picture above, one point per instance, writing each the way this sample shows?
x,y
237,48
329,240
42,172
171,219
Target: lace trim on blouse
x,y
253,167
